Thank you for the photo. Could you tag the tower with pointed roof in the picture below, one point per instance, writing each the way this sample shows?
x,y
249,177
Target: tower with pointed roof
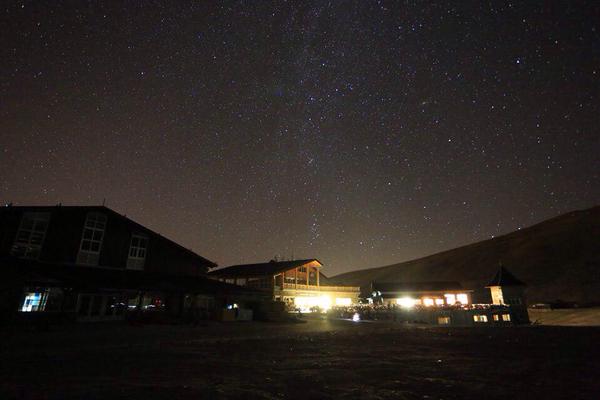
x,y
505,288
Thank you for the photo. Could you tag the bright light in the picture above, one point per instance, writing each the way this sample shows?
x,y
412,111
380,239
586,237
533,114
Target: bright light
x,y
450,299
343,301
439,302
406,302
33,302
480,318
356,317
427,302
306,303
462,298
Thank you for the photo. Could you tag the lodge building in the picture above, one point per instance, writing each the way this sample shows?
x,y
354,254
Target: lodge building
x,y
448,303
297,283
92,263
418,293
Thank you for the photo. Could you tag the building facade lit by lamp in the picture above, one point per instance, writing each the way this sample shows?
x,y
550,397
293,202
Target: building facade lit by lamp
x,y
427,294
298,283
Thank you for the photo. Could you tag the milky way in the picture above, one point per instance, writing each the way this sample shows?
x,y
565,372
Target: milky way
x,y
361,133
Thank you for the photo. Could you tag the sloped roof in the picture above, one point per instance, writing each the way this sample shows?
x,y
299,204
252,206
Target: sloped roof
x,y
268,268
386,287
202,260
504,278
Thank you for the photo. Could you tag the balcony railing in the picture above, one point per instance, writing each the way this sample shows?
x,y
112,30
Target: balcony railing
x,y
321,288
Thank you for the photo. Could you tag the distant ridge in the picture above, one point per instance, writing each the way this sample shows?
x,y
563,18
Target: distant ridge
x,y
558,259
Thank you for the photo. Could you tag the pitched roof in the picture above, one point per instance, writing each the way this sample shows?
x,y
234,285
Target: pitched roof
x,y
504,278
206,262
268,268
386,287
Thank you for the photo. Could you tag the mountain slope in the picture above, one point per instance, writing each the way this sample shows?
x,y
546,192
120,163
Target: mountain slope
x,y
558,259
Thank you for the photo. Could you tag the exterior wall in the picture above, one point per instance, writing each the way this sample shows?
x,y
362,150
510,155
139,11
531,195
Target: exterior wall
x,y
290,285
497,297
488,315
514,295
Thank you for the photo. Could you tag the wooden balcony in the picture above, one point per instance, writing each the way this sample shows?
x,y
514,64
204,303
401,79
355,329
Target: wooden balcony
x,y
293,286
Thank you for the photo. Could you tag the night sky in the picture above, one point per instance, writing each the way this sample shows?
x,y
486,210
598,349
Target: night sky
x,y
360,133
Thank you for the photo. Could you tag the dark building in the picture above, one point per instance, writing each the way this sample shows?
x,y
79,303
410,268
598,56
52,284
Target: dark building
x,y
91,262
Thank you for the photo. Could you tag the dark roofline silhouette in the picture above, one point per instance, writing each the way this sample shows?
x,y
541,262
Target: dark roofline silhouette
x,y
121,216
504,278
271,267
431,286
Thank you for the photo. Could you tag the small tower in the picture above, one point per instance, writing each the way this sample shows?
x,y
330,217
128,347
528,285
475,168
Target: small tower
x,y
506,289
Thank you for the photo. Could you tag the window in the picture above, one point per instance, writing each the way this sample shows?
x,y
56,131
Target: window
x,y
428,302
30,235
480,318
443,320
137,252
260,282
462,298
34,301
91,241
506,317
450,299
496,317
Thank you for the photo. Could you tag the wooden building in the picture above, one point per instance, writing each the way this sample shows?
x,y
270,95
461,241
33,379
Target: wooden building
x,y
94,263
295,282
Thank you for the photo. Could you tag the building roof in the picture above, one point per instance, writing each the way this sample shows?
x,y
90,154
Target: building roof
x,y
261,269
137,225
388,287
504,278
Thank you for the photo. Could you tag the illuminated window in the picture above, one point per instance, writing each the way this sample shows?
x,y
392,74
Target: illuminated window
x,y
137,252
462,298
34,301
91,241
309,303
439,302
428,302
406,302
480,318
443,320
496,317
30,236
450,299
506,317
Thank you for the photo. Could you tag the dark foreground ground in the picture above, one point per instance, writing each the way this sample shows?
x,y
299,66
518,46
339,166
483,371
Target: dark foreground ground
x,y
315,360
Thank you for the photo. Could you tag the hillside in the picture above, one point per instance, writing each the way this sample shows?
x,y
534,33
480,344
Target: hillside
x,y
558,259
